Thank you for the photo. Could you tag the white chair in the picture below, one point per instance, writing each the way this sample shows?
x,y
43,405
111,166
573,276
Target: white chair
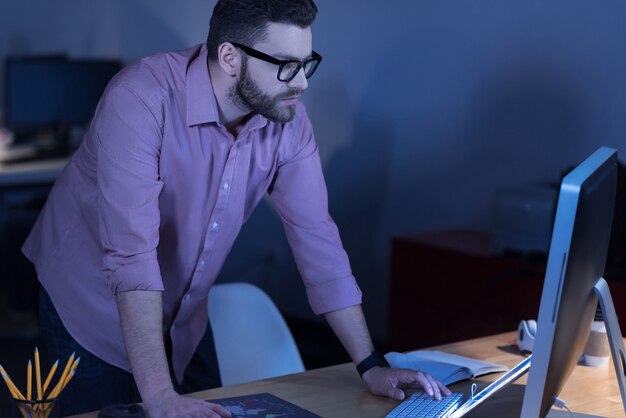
x,y
252,339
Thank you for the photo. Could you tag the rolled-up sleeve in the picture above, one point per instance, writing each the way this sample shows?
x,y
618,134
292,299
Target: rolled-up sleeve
x,y
129,135
299,194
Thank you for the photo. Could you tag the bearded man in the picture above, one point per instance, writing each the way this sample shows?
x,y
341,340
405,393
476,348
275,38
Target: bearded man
x,y
182,148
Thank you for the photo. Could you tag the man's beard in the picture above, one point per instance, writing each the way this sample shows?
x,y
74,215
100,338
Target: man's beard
x,y
246,95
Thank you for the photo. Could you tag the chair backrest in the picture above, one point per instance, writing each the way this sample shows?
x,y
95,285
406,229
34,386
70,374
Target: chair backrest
x,y
252,339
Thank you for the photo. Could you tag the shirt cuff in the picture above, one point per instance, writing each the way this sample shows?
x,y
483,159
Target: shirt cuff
x,y
140,274
333,295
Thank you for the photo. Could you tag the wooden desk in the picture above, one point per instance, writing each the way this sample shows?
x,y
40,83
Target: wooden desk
x,y
337,391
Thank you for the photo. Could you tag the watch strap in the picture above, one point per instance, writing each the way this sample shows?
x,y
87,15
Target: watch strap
x,y
373,360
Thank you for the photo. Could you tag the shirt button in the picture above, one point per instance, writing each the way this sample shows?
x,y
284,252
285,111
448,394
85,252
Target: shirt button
x,y
201,264
214,226
186,298
226,186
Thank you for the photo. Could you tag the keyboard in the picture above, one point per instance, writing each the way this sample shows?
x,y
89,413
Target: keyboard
x,y
421,405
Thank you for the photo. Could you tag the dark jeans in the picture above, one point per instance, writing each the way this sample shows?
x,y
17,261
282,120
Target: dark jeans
x,y
97,384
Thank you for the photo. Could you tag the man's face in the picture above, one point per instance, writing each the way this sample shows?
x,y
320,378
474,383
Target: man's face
x,y
258,89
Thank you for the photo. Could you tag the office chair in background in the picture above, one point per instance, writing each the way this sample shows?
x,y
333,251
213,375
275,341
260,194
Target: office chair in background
x,y
252,339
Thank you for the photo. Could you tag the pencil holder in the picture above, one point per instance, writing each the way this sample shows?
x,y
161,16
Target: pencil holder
x,y
35,409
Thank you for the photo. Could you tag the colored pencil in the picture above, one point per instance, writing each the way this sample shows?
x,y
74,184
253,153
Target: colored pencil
x,y
29,381
38,374
49,378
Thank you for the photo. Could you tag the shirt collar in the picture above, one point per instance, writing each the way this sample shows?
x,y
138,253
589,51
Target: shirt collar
x,y
256,122
201,102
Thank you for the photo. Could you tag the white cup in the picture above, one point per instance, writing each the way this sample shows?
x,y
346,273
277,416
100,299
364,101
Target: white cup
x,y
597,352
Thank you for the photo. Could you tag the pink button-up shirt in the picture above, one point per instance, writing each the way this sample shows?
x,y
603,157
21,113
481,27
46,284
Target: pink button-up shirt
x,y
155,196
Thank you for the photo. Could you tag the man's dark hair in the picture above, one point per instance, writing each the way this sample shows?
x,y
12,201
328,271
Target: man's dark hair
x,y
245,21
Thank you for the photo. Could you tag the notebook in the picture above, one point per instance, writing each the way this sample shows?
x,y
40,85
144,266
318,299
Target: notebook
x,y
445,367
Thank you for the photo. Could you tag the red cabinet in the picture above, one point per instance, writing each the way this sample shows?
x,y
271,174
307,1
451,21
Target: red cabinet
x,y
448,286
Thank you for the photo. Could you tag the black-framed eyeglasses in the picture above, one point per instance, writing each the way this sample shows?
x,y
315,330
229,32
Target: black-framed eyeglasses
x,y
287,69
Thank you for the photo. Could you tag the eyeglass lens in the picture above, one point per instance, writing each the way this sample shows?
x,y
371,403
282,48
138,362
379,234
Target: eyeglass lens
x,y
290,69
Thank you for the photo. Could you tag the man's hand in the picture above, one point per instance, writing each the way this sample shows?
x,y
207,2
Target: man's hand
x,y
141,315
172,405
387,381
349,325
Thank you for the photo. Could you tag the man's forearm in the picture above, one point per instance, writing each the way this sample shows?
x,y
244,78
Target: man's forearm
x,y
141,314
349,325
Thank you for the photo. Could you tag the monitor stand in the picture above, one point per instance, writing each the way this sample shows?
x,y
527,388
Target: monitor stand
x,y
616,342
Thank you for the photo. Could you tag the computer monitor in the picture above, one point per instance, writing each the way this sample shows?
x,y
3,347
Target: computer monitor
x,y
53,93
32,91
573,282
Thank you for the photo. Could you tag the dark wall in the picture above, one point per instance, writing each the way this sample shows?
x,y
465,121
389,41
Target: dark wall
x,y
422,109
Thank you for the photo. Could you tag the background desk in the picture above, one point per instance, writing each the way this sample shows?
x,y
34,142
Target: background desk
x,y
28,174
337,391
24,188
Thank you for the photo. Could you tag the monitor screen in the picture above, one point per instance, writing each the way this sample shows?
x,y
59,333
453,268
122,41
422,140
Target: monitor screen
x,y
43,92
33,87
577,258
89,79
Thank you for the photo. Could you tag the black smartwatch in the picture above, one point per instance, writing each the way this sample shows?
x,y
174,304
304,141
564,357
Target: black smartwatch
x,y
373,360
